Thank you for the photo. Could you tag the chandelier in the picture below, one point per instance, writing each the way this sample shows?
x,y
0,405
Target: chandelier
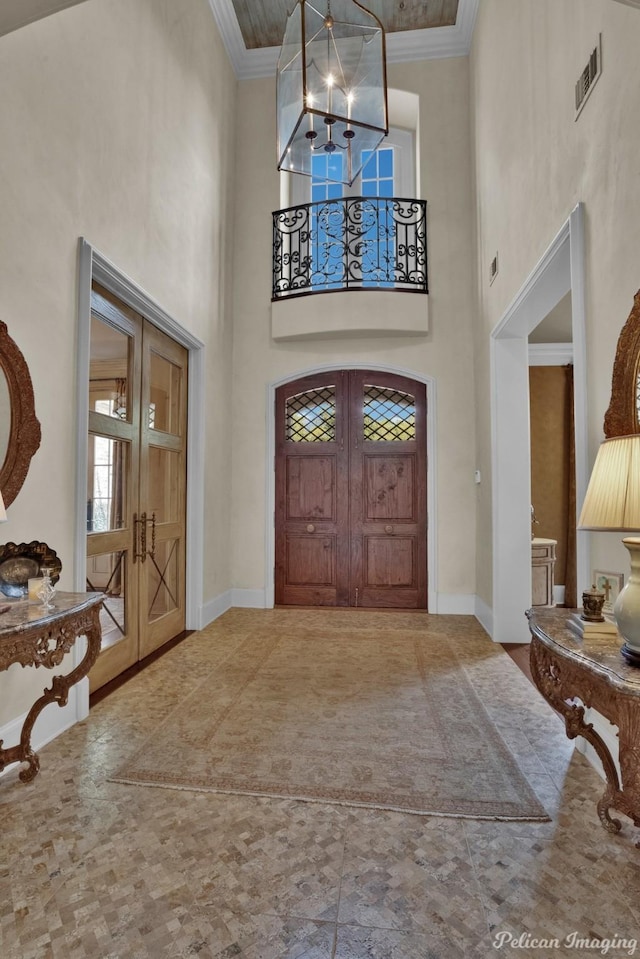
x,y
331,89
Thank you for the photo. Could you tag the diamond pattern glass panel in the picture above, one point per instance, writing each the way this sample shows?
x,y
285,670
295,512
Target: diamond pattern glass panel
x,y
388,414
311,416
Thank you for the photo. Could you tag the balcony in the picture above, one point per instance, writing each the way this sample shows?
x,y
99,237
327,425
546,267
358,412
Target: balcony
x,y
364,244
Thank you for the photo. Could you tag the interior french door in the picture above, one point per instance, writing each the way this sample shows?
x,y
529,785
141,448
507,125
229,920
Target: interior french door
x,y
136,484
351,491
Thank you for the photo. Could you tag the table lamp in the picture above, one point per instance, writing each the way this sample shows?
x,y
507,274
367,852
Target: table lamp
x,y
613,503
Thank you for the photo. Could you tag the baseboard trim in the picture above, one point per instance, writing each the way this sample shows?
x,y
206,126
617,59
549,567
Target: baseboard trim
x,y
609,735
214,608
51,723
455,604
249,598
241,598
484,615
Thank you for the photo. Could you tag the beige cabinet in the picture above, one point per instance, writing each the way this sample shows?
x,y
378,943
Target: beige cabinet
x,y
543,561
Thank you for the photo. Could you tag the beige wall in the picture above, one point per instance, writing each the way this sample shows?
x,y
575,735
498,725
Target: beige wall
x,y
116,123
534,163
445,353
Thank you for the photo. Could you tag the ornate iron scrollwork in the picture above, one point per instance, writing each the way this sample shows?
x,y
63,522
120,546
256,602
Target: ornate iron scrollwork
x,y
350,243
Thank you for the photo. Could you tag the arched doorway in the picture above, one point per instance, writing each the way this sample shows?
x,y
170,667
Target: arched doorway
x,y
351,491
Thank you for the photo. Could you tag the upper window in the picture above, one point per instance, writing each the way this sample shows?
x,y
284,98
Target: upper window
x,y
389,171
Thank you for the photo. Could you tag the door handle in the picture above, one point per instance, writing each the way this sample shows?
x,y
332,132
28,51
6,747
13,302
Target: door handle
x,y
140,537
152,551
311,528
388,529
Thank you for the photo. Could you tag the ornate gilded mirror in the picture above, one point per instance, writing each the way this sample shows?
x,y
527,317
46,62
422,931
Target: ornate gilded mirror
x,y
19,428
623,416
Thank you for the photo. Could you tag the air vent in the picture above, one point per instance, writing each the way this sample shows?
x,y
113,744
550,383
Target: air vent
x,y
589,77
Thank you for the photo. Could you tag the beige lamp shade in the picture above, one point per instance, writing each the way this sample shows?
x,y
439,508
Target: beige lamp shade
x,y
613,495
3,512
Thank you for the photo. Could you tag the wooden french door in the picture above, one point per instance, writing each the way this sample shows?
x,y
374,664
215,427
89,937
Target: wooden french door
x,y
351,491
136,484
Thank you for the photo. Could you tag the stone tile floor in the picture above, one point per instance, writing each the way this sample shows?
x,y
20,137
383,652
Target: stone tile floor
x,y
91,869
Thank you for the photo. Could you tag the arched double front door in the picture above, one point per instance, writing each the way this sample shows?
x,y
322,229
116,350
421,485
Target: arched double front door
x,y
351,491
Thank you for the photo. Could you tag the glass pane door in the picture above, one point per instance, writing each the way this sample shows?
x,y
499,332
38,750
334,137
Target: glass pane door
x,y
162,489
136,482
112,480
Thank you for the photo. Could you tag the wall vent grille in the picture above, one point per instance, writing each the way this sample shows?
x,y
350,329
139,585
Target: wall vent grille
x,y
589,77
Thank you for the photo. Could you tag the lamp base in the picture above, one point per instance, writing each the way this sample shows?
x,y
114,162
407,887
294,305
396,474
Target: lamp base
x,y
626,609
632,656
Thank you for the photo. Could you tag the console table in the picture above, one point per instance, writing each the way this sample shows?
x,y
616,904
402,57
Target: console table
x,y
565,666
34,636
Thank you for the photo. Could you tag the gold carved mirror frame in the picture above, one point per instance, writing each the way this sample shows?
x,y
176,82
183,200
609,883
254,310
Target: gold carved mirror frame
x,y
24,430
623,416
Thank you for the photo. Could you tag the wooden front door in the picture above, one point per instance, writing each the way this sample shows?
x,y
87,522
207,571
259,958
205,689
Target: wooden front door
x,y
351,491
136,484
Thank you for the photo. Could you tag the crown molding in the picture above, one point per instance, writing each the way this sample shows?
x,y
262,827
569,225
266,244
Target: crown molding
x,y
432,44
550,354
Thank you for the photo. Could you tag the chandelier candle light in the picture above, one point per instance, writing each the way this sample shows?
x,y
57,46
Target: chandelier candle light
x,y
613,503
331,88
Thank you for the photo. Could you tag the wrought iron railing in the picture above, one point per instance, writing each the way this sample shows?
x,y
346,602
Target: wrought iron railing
x,y
351,243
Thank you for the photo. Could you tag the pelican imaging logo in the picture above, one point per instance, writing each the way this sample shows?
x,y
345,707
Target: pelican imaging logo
x,y
607,946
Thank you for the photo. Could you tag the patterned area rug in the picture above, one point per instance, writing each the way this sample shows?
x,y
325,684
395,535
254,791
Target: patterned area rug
x,y
362,709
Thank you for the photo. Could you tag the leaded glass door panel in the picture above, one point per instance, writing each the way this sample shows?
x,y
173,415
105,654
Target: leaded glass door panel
x,y
351,491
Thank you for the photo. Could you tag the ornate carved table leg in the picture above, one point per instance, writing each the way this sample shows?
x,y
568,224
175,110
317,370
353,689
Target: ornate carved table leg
x,y
48,649
558,684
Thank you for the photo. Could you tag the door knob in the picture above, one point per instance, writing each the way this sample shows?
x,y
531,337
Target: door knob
x,y
311,528
388,529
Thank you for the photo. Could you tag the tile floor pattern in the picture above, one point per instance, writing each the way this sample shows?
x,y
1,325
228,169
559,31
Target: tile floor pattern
x,y
91,869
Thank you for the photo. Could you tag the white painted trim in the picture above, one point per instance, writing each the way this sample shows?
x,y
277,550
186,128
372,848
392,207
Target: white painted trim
x,y
580,396
435,43
93,265
558,594
49,724
432,471
484,615
232,598
214,608
455,604
550,354
608,733
249,599
432,44
560,269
